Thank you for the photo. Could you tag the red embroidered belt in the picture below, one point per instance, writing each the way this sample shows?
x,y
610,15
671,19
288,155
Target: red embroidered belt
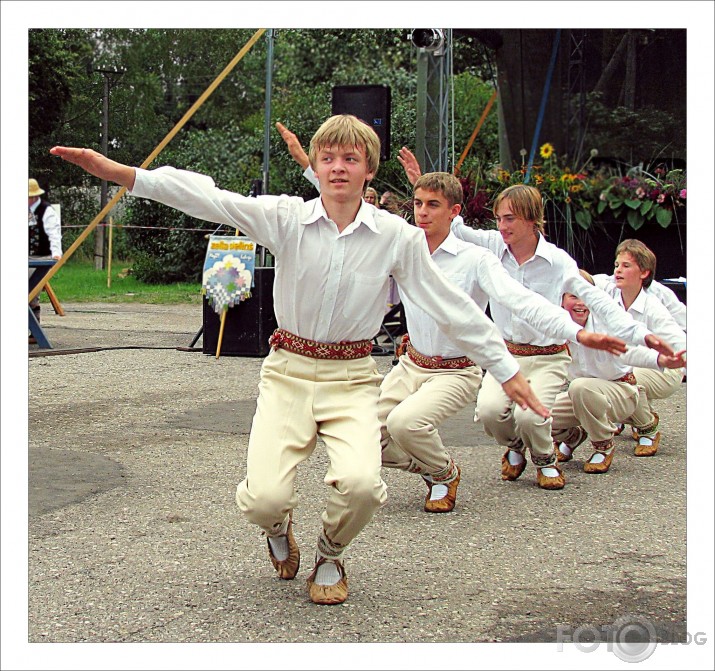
x,y
522,349
319,350
628,377
437,361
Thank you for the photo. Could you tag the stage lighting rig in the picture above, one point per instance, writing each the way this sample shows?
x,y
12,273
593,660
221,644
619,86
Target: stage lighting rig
x,y
429,39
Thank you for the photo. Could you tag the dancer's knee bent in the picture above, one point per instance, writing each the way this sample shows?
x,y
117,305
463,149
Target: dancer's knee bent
x,y
265,507
362,491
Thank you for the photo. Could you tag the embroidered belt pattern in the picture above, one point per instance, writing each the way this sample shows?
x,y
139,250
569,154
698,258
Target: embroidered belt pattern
x,y
437,361
628,377
319,350
523,349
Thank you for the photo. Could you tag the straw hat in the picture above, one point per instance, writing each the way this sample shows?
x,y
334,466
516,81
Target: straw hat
x,y
35,189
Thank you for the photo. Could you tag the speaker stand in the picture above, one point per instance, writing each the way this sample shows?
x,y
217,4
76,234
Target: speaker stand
x,y
199,333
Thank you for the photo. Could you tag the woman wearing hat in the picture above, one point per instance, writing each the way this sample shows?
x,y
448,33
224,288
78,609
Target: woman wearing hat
x,y
44,229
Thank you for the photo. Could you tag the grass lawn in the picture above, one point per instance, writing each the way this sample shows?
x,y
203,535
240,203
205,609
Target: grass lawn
x,y
79,282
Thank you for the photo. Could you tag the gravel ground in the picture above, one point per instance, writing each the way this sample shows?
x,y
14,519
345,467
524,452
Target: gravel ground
x,y
134,535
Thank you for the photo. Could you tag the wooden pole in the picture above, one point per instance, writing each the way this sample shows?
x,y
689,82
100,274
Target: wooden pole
x,y
109,254
476,132
220,333
54,300
159,148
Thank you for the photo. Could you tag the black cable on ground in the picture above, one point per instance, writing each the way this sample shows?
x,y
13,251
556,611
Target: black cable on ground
x,y
85,350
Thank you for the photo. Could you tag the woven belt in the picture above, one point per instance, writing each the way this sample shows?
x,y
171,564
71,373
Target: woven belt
x,y
522,349
319,350
628,377
437,361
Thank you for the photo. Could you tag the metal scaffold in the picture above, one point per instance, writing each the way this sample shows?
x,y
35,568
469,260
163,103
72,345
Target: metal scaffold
x,y
434,79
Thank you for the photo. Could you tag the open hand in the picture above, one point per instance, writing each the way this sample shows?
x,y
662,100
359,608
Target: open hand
x,y
678,360
294,147
97,164
658,345
601,341
409,162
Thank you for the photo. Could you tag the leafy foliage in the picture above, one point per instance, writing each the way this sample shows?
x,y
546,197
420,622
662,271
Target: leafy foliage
x,y
154,76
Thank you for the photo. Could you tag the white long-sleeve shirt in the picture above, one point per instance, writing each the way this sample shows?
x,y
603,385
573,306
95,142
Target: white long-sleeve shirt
x,y
478,272
648,310
53,229
551,272
588,362
331,286
664,294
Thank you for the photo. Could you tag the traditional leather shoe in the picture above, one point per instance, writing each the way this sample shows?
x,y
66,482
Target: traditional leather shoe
x,y
328,595
509,471
620,429
646,450
287,568
550,482
567,456
446,503
602,466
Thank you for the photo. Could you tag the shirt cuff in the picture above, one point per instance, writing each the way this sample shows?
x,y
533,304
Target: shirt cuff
x,y
506,369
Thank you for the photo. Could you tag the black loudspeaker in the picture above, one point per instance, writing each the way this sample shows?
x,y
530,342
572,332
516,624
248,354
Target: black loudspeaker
x,y
372,104
248,324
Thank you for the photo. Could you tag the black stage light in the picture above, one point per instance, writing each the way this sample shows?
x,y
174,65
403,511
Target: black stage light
x,y
431,39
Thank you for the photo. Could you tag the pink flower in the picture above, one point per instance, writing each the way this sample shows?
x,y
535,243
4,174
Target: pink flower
x,y
640,192
682,193
661,198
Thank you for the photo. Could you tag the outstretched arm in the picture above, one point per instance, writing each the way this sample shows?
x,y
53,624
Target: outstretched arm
x,y
98,165
294,147
409,162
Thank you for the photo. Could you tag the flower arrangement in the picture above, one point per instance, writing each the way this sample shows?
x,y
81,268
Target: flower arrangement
x,y
643,197
583,195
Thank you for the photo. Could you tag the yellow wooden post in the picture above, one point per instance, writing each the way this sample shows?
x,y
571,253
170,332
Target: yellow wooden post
x,y
109,261
475,132
220,333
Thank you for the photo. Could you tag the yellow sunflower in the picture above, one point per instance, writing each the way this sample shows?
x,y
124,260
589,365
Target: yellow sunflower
x,y
546,150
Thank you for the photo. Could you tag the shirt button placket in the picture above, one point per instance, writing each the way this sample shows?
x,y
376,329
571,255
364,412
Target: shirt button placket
x,y
327,306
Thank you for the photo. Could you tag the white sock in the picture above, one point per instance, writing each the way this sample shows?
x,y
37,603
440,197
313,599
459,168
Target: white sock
x,y
550,472
597,458
438,492
327,574
646,440
279,544
565,449
279,547
515,458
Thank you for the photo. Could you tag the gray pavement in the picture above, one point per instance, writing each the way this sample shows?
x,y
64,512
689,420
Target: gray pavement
x,y
134,535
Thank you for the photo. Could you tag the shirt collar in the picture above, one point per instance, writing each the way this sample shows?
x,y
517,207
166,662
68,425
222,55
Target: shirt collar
x,y
450,245
365,215
542,249
35,205
639,303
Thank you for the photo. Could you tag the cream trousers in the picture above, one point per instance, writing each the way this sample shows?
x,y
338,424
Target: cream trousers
x,y
300,399
659,385
414,401
518,429
595,404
